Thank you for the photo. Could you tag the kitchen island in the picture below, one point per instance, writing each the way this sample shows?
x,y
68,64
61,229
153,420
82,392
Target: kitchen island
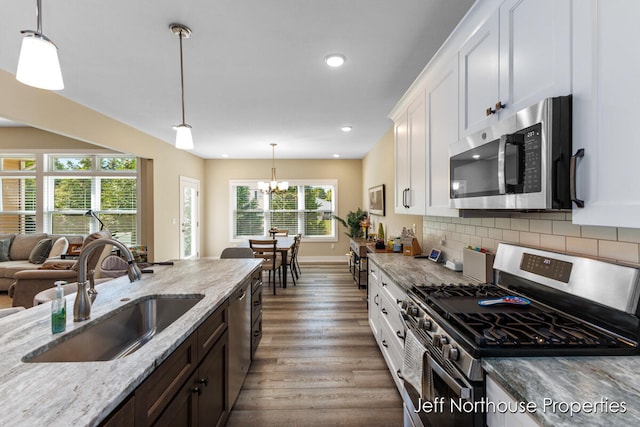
x,y
85,393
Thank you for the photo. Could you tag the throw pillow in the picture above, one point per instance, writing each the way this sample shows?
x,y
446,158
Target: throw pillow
x,y
59,247
4,249
40,251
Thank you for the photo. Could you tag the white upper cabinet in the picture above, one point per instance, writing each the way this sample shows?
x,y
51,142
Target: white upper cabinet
x,y
442,130
410,161
479,67
520,55
605,113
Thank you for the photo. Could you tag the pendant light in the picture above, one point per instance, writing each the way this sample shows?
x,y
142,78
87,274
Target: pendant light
x,y
273,186
38,64
184,139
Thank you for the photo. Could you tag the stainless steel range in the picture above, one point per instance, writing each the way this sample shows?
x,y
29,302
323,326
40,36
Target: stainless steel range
x,y
544,304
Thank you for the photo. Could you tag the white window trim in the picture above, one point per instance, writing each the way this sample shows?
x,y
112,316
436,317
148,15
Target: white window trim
x,y
295,182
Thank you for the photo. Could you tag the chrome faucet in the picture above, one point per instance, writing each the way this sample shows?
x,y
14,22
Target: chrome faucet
x,y
84,297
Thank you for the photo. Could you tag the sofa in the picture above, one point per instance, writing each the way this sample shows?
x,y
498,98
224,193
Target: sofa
x,y
28,283
20,247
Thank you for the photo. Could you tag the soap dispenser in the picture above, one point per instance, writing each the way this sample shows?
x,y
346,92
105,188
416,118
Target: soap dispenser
x,y
59,309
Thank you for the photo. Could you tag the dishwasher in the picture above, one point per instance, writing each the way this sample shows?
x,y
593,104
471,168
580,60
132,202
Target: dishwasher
x,y
239,339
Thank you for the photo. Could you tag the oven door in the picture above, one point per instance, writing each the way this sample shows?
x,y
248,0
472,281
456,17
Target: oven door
x,y
447,400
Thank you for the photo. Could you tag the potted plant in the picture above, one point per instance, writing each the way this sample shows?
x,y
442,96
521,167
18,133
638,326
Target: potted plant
x,y
353,222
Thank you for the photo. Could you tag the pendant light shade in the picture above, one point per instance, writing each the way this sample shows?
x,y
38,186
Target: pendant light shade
x,y
38,64
184,139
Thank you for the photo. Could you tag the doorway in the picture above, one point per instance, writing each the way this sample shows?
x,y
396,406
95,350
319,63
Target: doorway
x,y
189,218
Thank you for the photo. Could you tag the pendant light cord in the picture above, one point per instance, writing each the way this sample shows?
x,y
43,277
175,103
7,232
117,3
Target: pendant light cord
x,y
181,76
39,15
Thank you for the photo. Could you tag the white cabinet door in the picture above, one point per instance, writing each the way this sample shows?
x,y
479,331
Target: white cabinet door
x,y
417,117
442,130
535,51
606,90
519,56
479,67
401,166
410,161
496,394
374,300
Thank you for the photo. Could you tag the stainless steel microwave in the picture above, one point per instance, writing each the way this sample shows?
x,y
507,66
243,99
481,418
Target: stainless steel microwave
x,y
521,163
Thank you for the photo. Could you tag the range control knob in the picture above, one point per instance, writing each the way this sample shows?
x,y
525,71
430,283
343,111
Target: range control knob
x,y
424,324
413,311
435,340
449,352
443,341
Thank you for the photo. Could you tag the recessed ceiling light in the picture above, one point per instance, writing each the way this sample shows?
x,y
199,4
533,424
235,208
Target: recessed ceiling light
x,y
335,60
476,156
336,155
346,128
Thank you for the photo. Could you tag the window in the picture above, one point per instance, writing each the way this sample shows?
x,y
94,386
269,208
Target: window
x,y
306,208
71,186
17,194
105,185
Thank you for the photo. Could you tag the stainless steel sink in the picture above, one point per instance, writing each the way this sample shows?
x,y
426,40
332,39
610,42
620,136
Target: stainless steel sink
x,y
117,334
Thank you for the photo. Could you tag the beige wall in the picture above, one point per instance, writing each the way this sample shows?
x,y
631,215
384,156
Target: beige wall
x,y
26,138
378,168
54,113
218,173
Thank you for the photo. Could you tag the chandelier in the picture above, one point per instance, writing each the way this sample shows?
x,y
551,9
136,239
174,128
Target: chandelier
x,y
273,186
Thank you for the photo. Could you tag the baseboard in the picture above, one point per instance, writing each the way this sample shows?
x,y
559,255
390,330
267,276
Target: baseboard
x,y
322,259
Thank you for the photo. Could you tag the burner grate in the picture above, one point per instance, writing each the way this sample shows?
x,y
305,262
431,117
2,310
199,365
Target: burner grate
x,y
544,329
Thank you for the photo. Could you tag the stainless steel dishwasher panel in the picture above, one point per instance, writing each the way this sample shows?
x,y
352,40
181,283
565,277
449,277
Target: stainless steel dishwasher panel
x,y
239,340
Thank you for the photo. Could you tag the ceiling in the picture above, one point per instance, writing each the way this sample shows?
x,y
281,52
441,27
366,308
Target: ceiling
x,y
253,69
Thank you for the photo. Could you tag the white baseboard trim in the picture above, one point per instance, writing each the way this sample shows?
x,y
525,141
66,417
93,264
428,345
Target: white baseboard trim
x,y
323,259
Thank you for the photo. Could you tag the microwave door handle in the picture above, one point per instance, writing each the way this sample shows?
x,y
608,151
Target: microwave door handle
x,y
460,391
502,178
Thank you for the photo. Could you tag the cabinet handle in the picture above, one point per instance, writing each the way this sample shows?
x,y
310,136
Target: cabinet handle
x,y
405,198
399,373
398,301
384,284
384,311
257,303
399,334
384,344
203,381
257,333
241,297
572,180
500,106
375,299
196,390
489,111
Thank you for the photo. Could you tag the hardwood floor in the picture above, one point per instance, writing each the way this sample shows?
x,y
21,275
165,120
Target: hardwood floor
x,y
318,363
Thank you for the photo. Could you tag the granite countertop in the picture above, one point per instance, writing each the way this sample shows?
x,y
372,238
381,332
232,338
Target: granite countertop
x,y
554,384
84,393
407,271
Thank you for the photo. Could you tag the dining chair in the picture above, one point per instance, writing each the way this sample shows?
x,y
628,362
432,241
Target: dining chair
x,y
291,258
267,250
281,233
295,263
236,252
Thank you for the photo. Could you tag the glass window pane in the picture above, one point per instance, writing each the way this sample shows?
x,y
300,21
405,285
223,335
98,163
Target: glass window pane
x,y
123,226
70,224
17,223
18,163
72,194
118,194
248,216
71,163
118,164
17,204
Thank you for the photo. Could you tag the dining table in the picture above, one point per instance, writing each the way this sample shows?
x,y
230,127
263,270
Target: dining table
x,y
284,245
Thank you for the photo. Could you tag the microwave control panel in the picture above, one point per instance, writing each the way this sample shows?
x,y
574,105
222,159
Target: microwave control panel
x,y
532,178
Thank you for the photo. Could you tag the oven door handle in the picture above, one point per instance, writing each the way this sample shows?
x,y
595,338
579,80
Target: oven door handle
x,y
460,391
502,178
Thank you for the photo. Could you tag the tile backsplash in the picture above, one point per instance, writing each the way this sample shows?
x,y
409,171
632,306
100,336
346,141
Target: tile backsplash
x,y
547,230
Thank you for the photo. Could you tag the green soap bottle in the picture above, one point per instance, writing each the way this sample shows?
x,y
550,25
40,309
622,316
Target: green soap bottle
x,y
59,310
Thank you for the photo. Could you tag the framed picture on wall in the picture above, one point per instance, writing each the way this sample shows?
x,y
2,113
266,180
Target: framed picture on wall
x,y
376,200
